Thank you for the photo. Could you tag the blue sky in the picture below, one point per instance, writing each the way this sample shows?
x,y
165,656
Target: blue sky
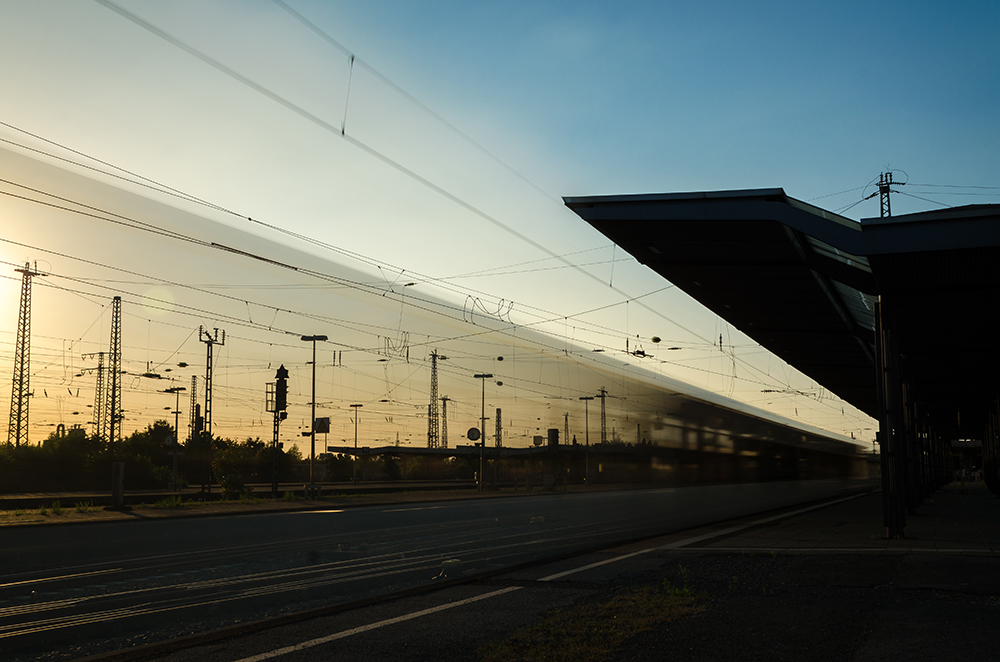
x,y
674,96
550,99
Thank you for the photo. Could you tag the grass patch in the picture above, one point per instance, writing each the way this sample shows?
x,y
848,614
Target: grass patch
x,y
591,631
57,508
85,507
43,511
289,496
170,502
684,590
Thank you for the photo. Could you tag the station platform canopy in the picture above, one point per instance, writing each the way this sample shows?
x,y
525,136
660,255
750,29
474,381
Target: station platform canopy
x,y
804,283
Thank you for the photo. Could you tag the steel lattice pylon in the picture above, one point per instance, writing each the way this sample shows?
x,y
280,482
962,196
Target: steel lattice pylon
x,y
19,397
194,403
884,182
100,399
444,421
210,340
113,412
433,422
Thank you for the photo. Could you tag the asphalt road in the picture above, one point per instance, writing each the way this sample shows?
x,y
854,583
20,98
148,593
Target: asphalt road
x,y
807,583
75,590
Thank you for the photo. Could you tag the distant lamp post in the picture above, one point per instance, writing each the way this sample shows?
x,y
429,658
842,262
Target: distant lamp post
x,y
482,431
356,412
176,390
312,426
586,428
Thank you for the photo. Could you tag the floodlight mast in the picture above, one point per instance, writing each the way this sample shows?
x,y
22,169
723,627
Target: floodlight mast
x,y
176,390
312,426
355,463
586,427
482,431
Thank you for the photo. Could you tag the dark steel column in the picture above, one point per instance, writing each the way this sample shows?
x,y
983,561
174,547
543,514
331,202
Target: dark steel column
x,y
909,447
987,447
937,462
893,461
991,451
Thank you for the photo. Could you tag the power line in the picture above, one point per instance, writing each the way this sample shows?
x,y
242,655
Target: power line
x,y
191,311
992,188
323,124
850,206
201,313
112,217
325,36
986,195
830,195
934,202
163,188
540,383
475,210
196,312
135,178
521,264
490,273
135,224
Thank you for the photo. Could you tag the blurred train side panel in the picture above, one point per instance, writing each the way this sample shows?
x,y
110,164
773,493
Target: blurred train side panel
x,y
695,443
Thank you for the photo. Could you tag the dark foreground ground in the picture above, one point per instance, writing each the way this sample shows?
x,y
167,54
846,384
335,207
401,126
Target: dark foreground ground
x,y
820,607
824,586
820,585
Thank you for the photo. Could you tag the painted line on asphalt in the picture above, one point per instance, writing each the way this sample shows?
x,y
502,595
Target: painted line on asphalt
x,y
849,550
694,539
315,512
52,579
560,575
406,510
374,626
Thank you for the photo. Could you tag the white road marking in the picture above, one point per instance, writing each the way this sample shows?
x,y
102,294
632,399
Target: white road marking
x,y
560,575
374,626
694,539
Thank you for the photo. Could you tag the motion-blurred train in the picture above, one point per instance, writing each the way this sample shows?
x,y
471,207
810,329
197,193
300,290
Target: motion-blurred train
x,y
688,442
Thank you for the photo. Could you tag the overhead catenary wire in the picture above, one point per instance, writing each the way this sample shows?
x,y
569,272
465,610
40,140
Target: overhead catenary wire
x,y
150,302
347,99
158,186
399,167
992,188
325,36
544,384
849,207
483,332
983,195
935,202
830,195
567,265
954,190
95,212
